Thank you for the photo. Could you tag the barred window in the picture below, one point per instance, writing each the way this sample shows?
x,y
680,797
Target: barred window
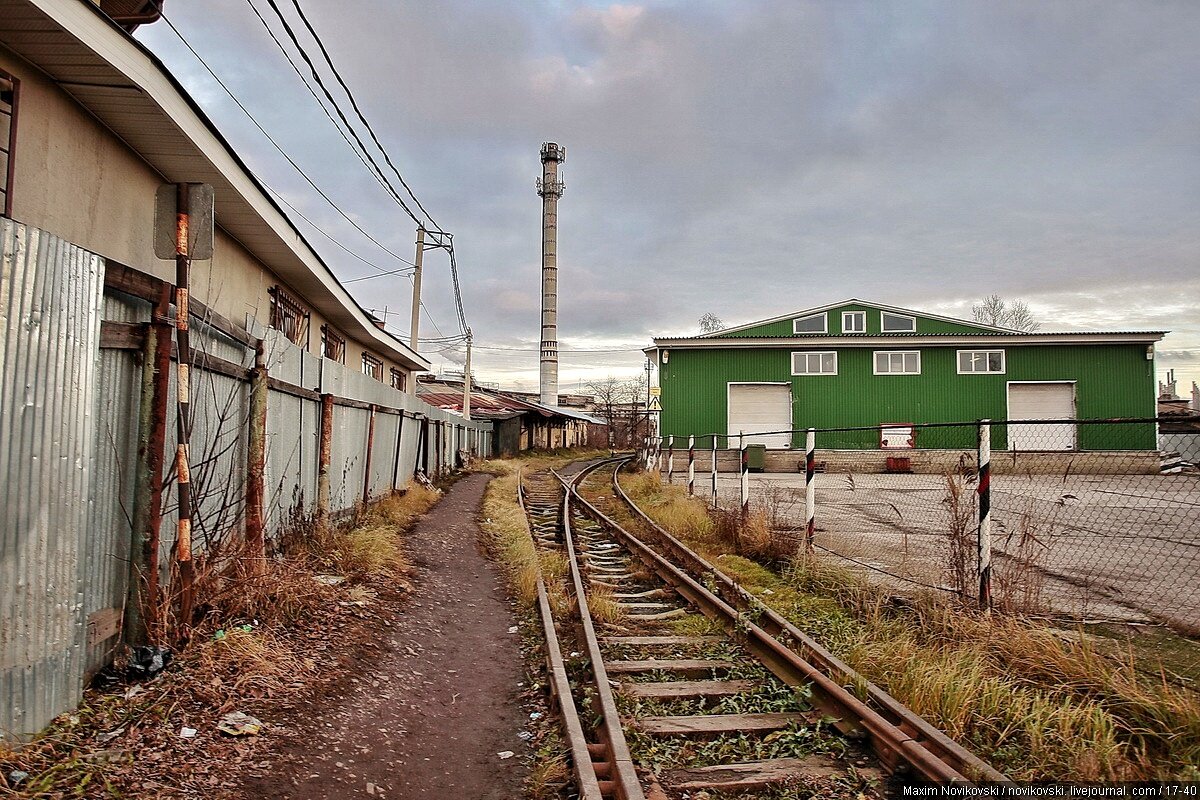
x,y
10,90
399,379
288,316
372,366
333,346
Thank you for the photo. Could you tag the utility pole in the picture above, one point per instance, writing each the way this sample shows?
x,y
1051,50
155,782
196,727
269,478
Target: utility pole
x,y
467,380
416,298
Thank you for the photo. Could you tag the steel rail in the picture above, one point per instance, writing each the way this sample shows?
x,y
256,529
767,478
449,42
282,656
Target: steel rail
x,y
623,776
560,686
899,715
891,742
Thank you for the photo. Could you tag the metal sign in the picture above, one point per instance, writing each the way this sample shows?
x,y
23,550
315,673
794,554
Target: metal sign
x,y
655,404
656,391
200,221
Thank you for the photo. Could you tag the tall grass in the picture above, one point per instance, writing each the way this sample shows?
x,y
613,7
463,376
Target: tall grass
x,y
1037,702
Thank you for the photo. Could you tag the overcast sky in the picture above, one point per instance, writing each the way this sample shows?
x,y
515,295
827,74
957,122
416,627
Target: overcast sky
x,y
743,158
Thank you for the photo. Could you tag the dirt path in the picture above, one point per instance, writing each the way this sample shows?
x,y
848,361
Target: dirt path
x,y
429,719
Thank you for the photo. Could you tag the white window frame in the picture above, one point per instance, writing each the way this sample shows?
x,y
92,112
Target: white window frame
x,y
1003,362
807,353
851,314
824,324
877,353
883,328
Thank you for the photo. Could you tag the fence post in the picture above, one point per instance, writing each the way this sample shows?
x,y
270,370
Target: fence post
x,y
744,486
366,494
323,457
671,458
691,464
714,470
810,494
984,488
396,455
256,465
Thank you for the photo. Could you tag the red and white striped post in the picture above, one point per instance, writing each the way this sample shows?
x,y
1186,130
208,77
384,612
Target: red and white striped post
x,y
984,488
810,494
744,487
691,464
671,458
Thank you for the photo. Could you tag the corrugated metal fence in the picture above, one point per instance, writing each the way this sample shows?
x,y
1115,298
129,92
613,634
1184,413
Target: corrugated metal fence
x,y
69,431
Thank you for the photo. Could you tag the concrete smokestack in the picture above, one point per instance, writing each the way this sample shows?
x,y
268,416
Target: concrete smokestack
x,y
550,188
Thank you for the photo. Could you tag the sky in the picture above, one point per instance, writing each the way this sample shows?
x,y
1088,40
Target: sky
x,y
746,158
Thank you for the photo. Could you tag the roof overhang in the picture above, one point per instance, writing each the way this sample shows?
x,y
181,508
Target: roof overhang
x,y
917,340
129,90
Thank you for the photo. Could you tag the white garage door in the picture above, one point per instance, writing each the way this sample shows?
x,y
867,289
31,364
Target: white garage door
x,y
1041,401
760,407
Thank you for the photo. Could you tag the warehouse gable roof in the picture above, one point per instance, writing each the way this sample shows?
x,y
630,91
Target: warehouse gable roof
x,y
750,327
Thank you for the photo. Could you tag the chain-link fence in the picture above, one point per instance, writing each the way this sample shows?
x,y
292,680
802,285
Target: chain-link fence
x,y
1081,519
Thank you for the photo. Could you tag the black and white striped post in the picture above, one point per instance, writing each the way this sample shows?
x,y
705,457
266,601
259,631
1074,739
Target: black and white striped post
x,y
691,464
810,494
744,486
671,458
713,465
984,488
646,453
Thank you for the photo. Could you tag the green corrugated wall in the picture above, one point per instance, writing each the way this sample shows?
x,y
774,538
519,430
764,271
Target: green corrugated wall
x,y
1111,381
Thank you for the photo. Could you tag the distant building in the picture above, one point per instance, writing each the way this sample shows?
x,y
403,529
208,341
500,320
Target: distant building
x,y
857,363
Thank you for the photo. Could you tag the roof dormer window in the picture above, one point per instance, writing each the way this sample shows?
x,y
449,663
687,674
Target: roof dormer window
x,y
813,323
897,323
854,322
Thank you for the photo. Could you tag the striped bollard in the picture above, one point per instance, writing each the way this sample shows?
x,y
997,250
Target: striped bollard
x,y
745,482
984,488
646,452
671,458
714,470
691,464
810,493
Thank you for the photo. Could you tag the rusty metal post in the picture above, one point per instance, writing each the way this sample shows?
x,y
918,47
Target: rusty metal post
x,y
323,459
183,427
366,493
256,544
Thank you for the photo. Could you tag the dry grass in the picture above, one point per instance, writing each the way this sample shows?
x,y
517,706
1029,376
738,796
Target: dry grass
x,y
603,607
1037,702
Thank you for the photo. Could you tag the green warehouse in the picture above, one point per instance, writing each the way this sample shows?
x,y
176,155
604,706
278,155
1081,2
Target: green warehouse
x,y
863,364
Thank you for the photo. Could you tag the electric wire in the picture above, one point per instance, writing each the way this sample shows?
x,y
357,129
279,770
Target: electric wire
x,y
336,107
276,145
358,111
373,169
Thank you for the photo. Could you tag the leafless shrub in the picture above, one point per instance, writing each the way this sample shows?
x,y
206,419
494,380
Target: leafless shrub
x,y
960,532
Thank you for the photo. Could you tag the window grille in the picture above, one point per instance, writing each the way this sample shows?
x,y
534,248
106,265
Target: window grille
x,y
288,316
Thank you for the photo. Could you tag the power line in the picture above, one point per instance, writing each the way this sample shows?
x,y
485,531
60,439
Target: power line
x,y
275,144
358,111
337,108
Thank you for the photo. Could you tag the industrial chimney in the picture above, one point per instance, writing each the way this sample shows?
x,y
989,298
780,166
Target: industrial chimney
x,y
550,188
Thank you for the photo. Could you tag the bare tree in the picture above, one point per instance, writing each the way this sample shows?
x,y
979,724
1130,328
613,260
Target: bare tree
x,y
996,311
710,323
613,396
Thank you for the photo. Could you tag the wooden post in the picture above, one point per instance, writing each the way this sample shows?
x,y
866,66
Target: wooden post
x,y
256,545
323,457
396,455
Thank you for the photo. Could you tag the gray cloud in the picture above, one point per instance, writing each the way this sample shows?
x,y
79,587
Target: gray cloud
x,y
751,158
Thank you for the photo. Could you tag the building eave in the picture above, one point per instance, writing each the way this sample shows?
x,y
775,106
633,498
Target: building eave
x,y
124,86
908,340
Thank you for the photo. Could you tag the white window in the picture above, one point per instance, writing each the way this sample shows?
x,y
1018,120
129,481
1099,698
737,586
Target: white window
x,y
814,323
897,362
854,322
980,361
897,323
814,363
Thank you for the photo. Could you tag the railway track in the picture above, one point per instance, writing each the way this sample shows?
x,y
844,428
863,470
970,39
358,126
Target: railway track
x,y
672,680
